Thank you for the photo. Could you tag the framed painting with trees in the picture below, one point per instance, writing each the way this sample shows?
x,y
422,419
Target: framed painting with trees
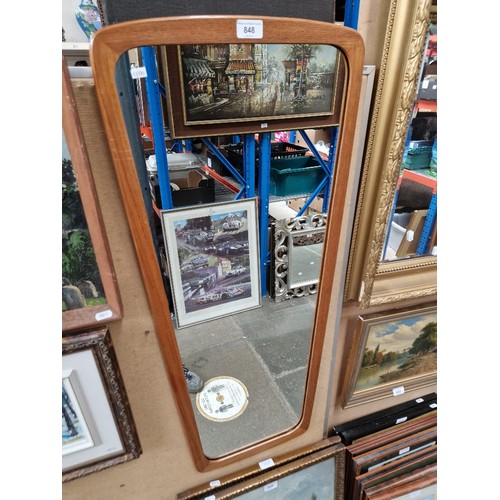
x,y
392,352
90,293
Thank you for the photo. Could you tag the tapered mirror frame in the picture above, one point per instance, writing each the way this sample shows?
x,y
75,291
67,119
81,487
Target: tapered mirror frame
x,y
106,47
370,281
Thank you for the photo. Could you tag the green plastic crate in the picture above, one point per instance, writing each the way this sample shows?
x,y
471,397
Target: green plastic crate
x,y
293,181
283,155
418,155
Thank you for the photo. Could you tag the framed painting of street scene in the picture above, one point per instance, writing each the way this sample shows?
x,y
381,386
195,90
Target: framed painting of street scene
x,y
392,353
213,259
245,88
98,429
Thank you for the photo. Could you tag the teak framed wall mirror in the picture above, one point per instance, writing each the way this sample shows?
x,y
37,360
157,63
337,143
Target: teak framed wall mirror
x,y
373,278
107,48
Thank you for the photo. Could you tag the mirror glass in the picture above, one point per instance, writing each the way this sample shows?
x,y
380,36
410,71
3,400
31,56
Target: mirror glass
x,y
412,227
305,260
253,362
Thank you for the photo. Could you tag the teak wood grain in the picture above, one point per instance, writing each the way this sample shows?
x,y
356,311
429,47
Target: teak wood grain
x,y
107,45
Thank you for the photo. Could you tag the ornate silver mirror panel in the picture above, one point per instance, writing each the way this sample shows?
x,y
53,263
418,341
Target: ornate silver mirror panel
x,y
298,252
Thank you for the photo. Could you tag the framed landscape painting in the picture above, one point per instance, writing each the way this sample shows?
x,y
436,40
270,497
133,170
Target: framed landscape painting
x,y
213,259
90,294
208,490
392,352
318,475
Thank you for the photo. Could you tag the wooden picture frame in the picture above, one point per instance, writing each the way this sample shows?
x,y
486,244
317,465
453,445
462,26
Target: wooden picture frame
x,y
367,447
213,259
420,483
392,352
379,477
318,473
98,427
86,237
206,96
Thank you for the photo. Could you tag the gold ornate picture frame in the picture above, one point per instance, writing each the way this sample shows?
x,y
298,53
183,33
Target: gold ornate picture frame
x,y
369,280
316,471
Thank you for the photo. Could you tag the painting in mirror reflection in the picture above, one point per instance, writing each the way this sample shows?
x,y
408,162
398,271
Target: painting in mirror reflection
x,y
253,363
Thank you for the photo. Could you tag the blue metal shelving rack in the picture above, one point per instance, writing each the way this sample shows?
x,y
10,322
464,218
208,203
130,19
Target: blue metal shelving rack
x,y
154,90
430,219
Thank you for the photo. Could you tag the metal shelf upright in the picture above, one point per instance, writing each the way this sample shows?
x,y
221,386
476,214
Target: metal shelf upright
x,y
247,181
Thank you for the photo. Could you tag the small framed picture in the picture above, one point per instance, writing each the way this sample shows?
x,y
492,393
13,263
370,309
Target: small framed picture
x,y
392,352
213,260
98,429
76,434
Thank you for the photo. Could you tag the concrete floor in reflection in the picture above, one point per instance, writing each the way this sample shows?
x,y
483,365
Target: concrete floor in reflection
x,y
265,349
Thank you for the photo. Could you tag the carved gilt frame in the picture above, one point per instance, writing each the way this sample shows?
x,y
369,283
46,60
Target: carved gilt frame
x,y
370,281
103,391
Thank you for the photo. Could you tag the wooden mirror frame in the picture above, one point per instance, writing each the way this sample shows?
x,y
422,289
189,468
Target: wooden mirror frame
x,y
106,47
369,280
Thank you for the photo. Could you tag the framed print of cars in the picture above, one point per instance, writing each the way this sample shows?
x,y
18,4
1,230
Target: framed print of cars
x,y
213,259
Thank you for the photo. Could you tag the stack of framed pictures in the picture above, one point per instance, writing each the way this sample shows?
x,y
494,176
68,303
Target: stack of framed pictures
x,y
315,471
396,415
98,429
394,462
